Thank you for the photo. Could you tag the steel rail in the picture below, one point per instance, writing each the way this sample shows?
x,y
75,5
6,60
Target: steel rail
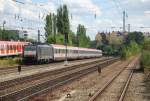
x,y
10,83
13,69
33,90
99,92
124,91
126,86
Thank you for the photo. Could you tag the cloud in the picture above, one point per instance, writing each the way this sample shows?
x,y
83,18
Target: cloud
x,y
82,11
84,5
144,0
147,12
1,5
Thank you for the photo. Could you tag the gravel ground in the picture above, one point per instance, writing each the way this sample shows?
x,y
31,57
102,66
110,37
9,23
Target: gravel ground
x,y
33,82
112,93
139,88
83,88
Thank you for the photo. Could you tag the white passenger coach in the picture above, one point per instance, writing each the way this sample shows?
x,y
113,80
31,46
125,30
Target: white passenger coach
x,y
53,52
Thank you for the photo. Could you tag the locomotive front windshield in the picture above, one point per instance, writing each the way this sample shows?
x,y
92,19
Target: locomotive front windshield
x,y
30,48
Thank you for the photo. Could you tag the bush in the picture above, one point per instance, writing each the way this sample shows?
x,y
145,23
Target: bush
x,y
146,44
130,50
145,60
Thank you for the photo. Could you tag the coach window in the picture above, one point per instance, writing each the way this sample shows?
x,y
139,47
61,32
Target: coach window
x,y
57,51
54,51
0,47
17,47
9,47
64,50
13,47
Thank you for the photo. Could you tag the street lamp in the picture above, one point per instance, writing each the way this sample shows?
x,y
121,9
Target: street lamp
x,y
66,54
4,22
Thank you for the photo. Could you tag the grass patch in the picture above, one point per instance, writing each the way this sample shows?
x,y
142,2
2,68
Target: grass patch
x,y
145,59
6,62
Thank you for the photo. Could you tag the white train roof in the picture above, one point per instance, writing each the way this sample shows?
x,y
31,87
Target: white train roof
x,y
13,42
73,48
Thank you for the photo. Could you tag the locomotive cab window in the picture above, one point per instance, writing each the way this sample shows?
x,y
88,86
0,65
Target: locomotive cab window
x,y
30,48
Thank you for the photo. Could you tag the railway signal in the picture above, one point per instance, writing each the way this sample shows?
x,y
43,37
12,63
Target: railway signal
x,y
19,69
99,70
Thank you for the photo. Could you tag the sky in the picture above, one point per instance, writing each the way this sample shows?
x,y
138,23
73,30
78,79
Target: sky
x,y
108,14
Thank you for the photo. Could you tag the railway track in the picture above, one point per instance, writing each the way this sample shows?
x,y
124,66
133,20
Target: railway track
x,y
10,83
102,94
14,69
126,86
54,79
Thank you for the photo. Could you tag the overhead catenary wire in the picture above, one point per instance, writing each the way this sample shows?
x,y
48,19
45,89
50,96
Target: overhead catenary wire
x,y
27,22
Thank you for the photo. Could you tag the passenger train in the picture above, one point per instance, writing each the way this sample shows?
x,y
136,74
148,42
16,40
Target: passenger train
x,y
48,53
11,48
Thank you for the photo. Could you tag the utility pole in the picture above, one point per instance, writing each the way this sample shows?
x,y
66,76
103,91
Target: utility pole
x,y
66,55
39,36
128,28
124,21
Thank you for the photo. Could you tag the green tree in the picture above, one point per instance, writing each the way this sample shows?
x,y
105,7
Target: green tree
x,y
63,24
0,34
93,44
66,23
48,26
83,40
104,40
60,20
60,38
8,35
54,26
138,37
51,28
